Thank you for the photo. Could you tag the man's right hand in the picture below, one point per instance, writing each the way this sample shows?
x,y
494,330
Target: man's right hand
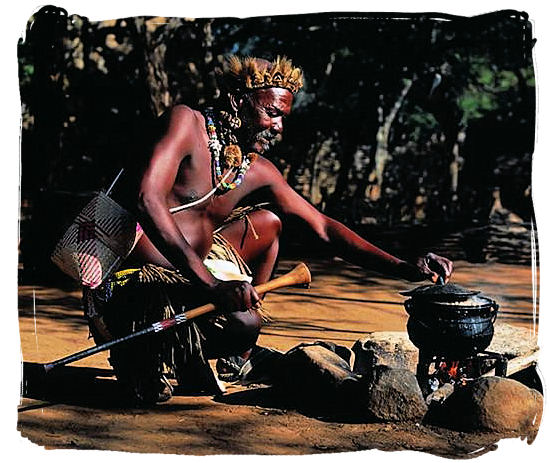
x,y
233,296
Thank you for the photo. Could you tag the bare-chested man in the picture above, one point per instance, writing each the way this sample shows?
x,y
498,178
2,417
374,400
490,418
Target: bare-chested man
x,y
183,168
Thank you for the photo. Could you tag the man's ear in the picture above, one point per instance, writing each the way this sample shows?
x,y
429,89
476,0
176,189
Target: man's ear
x,y
236,102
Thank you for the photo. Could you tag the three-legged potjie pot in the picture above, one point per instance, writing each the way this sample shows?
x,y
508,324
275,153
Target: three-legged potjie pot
x,y
449,324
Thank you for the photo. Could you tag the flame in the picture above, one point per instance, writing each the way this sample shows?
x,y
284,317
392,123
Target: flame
x,y
448,370
453,369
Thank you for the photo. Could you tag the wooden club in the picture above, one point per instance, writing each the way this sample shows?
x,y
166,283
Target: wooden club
x,y
299,275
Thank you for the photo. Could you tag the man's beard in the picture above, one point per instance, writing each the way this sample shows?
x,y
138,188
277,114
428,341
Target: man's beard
x,y
266,139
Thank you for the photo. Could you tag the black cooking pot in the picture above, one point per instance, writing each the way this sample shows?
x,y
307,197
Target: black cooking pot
x,y
449,320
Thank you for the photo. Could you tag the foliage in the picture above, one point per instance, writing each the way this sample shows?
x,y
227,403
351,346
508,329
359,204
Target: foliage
x,y
410,120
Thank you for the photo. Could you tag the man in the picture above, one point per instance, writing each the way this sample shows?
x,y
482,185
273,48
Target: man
x,y
212,161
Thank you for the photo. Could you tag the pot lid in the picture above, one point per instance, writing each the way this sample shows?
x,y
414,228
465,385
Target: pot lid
x,y
471,302
439,292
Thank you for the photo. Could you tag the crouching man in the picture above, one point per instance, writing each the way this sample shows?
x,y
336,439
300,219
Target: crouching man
x,y
199,246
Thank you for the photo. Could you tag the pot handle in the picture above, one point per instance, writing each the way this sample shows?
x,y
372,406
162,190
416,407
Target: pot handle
x,y
495,307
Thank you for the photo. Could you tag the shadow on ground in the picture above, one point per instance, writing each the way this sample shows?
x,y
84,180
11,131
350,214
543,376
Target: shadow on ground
x,y
82,386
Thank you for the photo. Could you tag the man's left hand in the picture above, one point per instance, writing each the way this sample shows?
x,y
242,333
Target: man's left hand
x,y
431,267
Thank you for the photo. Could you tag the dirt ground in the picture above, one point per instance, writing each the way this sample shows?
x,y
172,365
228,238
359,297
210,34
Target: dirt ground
x,y
342,304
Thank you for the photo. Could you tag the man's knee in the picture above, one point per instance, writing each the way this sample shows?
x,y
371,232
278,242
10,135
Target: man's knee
x,y
267,221
247,323
239,335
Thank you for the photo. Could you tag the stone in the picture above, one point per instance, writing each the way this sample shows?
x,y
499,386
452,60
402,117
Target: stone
x,y
315,374
440,395
393,395
389,348
495,404
513,341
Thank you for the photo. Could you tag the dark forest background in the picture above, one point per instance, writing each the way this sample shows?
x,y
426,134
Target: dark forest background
x,y
415,130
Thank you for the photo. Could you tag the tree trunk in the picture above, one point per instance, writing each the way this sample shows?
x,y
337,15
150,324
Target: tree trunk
x,y
155,33
382,155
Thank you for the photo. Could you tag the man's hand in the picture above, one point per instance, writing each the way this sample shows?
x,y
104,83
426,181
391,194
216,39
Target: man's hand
x,y
431,266
233,296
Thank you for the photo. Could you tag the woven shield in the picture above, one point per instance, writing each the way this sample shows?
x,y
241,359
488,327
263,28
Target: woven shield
x,y
97,242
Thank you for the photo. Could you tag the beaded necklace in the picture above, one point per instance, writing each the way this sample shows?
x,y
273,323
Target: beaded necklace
x,y
215,147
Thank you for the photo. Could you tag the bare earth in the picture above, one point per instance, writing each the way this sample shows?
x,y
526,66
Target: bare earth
x,y
83,415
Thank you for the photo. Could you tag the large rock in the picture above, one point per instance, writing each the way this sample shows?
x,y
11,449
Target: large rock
x,y
389,348
317,375
393,395
495,404
513,341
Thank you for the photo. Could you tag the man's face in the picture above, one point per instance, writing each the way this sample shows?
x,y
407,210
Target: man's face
x,y
262,112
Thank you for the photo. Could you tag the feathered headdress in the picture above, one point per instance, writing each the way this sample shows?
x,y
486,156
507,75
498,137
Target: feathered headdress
x,y
249,73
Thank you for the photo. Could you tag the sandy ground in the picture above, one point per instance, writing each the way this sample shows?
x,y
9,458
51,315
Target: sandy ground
x,y
341,305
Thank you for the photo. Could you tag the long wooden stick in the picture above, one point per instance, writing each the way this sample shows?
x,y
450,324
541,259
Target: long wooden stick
x,y
299,275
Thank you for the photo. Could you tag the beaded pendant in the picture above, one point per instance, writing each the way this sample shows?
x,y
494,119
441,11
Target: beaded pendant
x,y
216,147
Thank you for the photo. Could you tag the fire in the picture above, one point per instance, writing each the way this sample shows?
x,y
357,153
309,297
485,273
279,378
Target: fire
x,y
453,369
448,371
460,372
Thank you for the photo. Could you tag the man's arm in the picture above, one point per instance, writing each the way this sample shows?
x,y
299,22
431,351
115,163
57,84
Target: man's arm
x,y
347,244
157,184
155,188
